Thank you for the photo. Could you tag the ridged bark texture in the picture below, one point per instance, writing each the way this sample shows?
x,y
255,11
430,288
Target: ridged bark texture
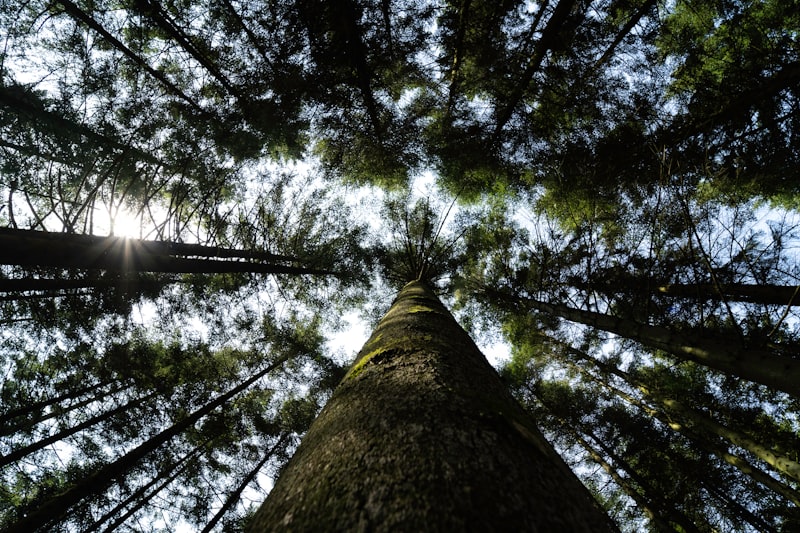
x,y
422,435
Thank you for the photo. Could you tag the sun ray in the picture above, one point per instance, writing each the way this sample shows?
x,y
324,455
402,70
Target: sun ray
x,y
125,223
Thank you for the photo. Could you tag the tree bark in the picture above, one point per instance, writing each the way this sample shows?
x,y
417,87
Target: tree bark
x,y
422,435
736,292
767,294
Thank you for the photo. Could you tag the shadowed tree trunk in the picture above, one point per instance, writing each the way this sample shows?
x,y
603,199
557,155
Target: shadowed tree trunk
x,y
22,451
36,407
78,14
59,505
674,412
665,512
56,409
120,254
753,363
767,294
422,435
703,441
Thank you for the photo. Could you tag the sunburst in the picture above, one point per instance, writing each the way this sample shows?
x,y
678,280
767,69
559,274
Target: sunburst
x,y
125,223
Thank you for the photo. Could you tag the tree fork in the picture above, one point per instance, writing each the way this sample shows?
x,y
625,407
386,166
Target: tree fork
x,y
422,435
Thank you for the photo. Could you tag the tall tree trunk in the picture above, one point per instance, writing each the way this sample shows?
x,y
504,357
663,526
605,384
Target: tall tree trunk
x,y
120,254
742,512
141,496
701,439
19,453
52,288
637,16
34,406
58,506
657,518
767,294
29,107
698,421
422,435
234,497
549,39
704,441
78,14
55,411
753,363
735,292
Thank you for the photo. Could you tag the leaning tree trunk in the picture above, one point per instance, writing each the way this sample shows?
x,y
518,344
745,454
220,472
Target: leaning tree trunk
x,y
59,505
422,435
753,363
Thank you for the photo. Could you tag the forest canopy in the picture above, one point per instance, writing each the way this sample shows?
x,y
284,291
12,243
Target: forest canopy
x,y
197,197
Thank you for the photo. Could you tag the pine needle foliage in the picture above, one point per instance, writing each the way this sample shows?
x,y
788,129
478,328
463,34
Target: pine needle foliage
x,y
421,246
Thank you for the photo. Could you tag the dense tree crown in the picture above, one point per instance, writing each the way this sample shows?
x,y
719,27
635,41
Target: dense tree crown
x,y
196,198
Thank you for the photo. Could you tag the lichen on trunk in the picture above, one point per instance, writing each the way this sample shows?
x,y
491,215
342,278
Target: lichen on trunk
x,y
422,435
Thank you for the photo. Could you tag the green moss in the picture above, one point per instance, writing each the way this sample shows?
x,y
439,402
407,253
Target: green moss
x,y
411,308
399,345
419,309
358,367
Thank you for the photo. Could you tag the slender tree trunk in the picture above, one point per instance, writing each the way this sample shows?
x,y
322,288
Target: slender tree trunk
x,y
737,292
643,10
163,482
48,288
234,497
153,10
709,444
699,421
549,38
56,411
55,508
760,365
422,435
78,14
657,508
32,407
630,489
701,439
19,453
120,254
164,478
740,510
766,294
755,473
31,109
458,58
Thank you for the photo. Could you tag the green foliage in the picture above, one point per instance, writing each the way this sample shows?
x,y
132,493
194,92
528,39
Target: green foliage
x,y
420,248
600,153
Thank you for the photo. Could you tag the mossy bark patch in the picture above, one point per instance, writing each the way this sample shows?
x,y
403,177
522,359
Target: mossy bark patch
x,y
422,435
